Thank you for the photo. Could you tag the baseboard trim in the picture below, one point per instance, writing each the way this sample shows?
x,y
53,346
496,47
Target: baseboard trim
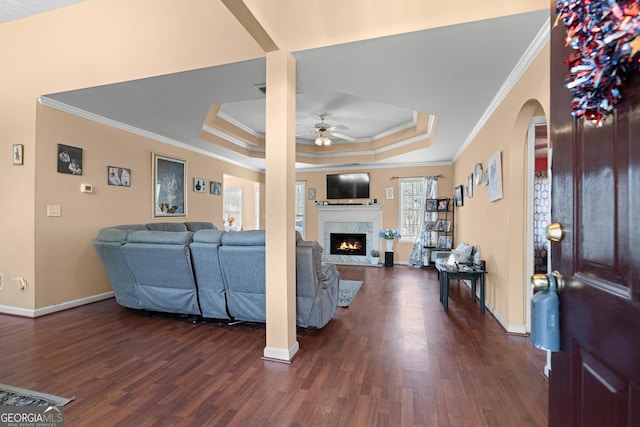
x,y
25,312
280,354
509,329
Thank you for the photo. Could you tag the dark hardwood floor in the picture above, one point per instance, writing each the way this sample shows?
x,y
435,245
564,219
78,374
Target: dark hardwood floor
x,y
393,358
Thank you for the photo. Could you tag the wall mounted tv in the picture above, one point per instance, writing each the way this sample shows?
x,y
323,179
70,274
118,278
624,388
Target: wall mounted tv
x,y
348,186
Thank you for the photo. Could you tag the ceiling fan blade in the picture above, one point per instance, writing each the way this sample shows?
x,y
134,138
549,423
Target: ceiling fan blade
x,y
342,136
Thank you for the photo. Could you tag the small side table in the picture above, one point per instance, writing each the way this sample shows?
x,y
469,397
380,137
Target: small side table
x,y
388,259
446,274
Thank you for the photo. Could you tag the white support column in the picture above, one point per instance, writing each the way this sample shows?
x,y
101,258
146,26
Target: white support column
x,y
280,180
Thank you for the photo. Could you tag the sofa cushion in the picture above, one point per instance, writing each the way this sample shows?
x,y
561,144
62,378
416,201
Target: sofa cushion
x,y
208,236
244,238
166,226
199,225
161,237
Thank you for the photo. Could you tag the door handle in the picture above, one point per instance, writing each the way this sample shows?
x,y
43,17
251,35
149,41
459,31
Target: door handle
x,y
540,282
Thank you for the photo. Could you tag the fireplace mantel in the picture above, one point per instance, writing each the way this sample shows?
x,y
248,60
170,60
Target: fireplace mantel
x,y
349,219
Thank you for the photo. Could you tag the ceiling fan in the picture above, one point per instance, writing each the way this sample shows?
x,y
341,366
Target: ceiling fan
x,y
324,130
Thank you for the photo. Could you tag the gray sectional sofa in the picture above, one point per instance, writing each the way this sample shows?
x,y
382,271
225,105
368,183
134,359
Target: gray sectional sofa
x,y
195,269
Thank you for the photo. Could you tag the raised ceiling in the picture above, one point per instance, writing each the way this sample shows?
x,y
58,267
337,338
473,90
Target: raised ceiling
x,y
410,99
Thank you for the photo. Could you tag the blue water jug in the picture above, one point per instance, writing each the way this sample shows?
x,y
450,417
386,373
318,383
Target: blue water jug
x,y
545,318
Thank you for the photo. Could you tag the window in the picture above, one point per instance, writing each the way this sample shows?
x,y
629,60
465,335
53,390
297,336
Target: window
x,y
301,198
411,205
232,205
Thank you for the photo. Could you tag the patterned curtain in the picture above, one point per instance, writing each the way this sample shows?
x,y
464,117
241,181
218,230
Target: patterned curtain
x,y
425,237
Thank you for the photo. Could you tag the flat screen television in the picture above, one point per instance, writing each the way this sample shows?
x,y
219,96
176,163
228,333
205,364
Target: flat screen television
x,y
348,186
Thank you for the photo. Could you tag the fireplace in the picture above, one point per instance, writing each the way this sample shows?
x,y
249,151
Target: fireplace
x,y
353,244
349,219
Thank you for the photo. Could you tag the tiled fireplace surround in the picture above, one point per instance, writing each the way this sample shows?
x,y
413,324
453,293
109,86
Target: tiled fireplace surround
x,y
365,219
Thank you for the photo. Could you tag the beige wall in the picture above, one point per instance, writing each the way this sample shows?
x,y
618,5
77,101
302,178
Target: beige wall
x,y
499,227
67,267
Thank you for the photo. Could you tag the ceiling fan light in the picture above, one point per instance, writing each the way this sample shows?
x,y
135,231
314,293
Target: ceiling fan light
x,y
318,140
327,141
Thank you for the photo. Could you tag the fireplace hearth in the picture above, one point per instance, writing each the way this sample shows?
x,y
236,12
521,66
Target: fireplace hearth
x,y
354,244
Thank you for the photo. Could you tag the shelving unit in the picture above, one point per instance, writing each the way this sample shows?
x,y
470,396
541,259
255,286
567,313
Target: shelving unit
x,y
439,221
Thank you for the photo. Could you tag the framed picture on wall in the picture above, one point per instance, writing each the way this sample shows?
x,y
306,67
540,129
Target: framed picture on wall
x,y
118,176
199,185
495,177
18,154
216,188
69,159
169,192
457,195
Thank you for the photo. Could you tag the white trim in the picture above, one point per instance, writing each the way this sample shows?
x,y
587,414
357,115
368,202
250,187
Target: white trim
x,y
60,106
536,46
281,354
25,312
529,223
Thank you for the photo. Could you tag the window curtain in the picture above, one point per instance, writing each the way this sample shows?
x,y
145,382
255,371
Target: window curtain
x,y
425,237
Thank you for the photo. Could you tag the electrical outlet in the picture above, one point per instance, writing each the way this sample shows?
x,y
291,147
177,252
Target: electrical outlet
x,y
1,282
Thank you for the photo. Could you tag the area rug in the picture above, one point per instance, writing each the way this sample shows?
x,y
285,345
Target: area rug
x,y
348,290
14,396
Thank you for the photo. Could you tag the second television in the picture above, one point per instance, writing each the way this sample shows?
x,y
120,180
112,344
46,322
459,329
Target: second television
x,y
348,186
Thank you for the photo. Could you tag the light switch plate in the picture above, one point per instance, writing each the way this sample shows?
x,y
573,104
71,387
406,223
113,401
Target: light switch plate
x,y
53,210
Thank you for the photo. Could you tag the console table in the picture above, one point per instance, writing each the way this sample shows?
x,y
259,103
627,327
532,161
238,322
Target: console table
x,y
445,274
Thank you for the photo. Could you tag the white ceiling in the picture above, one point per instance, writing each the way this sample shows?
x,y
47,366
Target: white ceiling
x,y
16,9
457,73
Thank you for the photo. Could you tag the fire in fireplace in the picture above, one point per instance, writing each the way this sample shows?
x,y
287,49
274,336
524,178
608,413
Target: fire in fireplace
x,y
348,244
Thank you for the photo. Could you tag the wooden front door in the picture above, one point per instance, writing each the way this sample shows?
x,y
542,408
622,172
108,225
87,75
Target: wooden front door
x,y
595,378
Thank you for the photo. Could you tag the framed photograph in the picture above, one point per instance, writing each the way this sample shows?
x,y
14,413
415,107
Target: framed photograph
x,y
216,188
452,261
118,176
470,186
312,194
431,205
169,194
18,154
447,226
443,205
389,193
199,185
495,177
439,225
445,242
430,225
69,159
457,195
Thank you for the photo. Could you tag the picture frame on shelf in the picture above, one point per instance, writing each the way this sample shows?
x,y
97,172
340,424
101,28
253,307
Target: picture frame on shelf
x,y
443,205
18,154
458,195
431,205
447,226
445,242
170,189
439,225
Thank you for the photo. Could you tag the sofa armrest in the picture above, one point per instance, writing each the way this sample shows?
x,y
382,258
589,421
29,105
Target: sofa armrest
x,y
328,275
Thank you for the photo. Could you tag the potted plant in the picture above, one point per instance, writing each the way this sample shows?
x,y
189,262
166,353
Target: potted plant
x,y
375,256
